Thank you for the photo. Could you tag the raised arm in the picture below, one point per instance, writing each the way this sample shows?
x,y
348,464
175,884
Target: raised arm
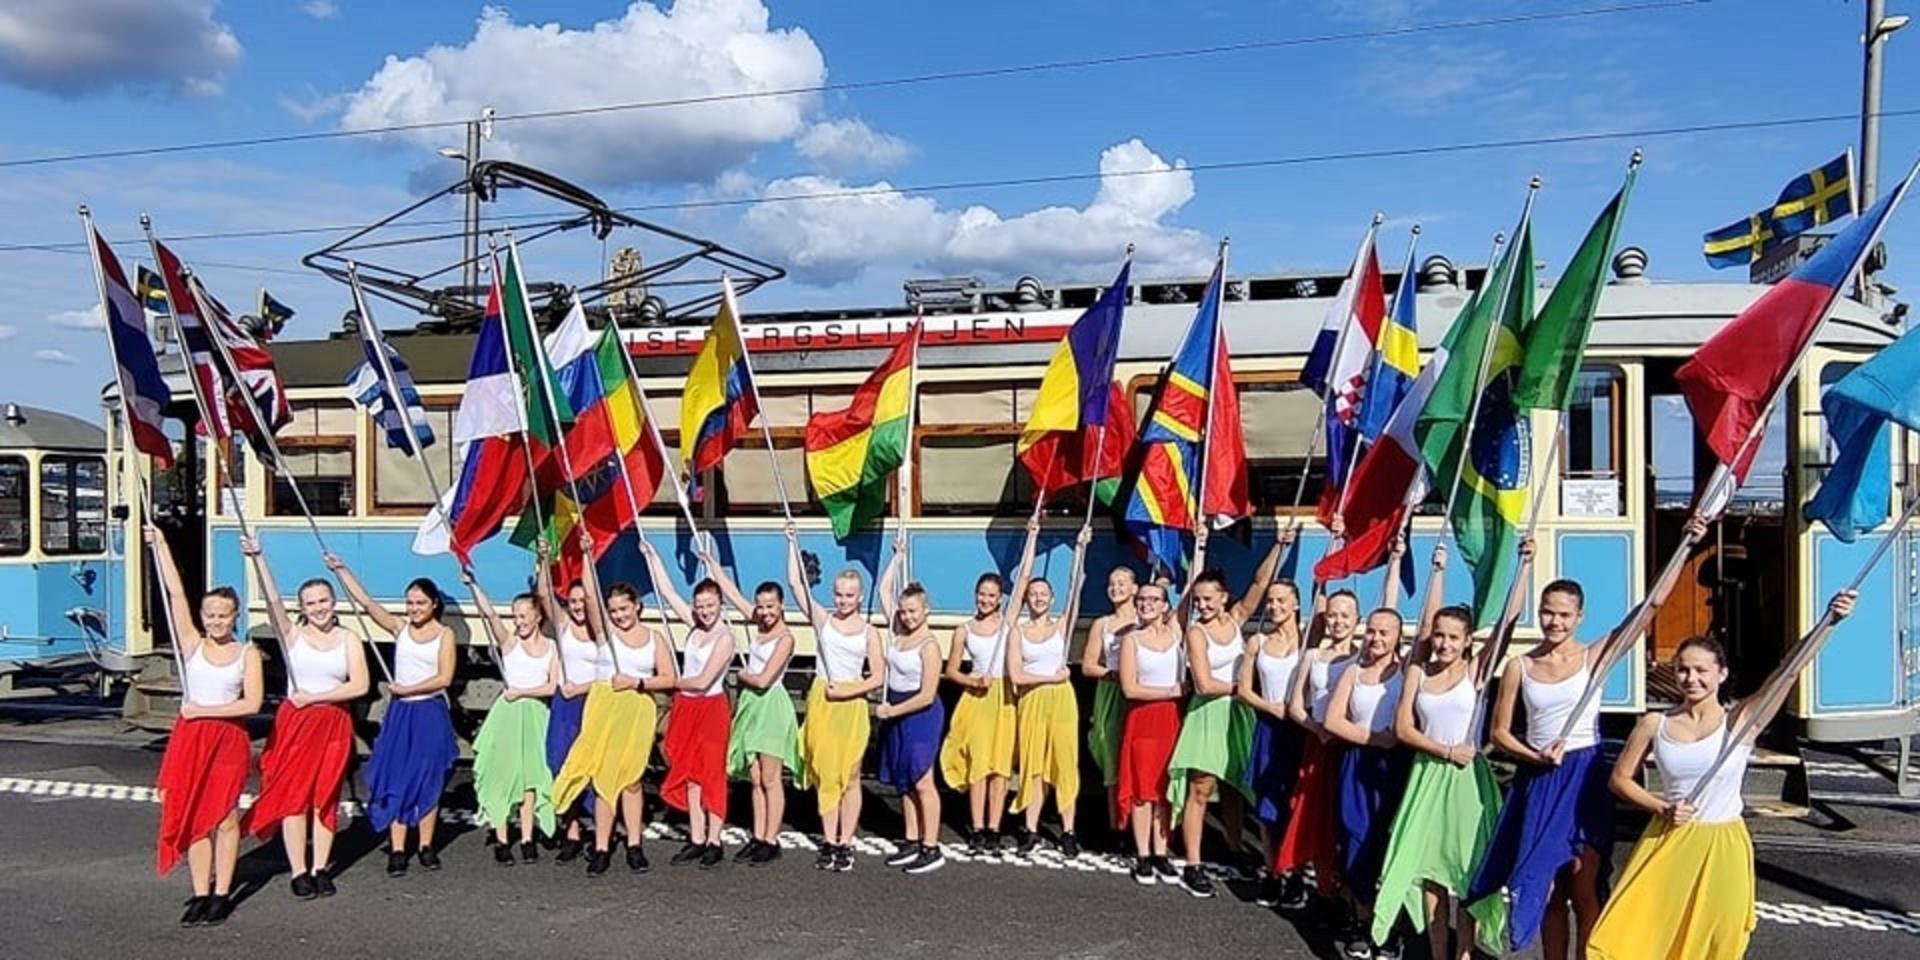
x,y
269,590
186,634
797,579
1394,553
1249,602
553,607
496,628
381,616
889,588
253,687
657,571
728,589
1757,711
1076,580
1435,598
1025,576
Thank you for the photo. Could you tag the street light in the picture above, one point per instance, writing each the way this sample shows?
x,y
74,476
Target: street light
x,y
477,131
1879,27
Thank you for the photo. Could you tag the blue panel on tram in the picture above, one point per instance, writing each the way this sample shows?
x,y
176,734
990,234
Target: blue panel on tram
x,y
1603,564
1859,668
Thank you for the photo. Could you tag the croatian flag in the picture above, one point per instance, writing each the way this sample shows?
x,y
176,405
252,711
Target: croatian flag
x,y
143,391
1390,480
490,426
1360,310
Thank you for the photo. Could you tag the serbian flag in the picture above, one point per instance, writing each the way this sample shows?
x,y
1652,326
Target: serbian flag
x,y
718,402
143,391
1076,401
490,426
1732,379
1340,378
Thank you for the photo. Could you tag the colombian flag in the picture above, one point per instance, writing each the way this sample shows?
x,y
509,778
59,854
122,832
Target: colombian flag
x,y
718,402
1076,401
851,452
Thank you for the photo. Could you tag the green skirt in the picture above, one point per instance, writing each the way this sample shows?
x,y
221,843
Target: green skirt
x,y
1216,738
763,725
510,761
1440,834
1103,735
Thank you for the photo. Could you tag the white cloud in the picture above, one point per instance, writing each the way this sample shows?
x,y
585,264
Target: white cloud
x,y
848,146
834,239
85,318
70,48
694,48
312,104
60,357
321,9
7,331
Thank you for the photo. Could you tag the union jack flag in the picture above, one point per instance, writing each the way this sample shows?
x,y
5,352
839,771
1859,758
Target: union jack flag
x,y
221,357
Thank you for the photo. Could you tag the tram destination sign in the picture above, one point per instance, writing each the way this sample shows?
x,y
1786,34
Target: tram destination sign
x,y
875,333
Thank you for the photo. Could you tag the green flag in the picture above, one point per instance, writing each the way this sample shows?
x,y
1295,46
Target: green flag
x,y
547,410
1557,340
1442,421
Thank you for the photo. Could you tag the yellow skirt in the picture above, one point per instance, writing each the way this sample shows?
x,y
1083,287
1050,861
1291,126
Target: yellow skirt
x,y
616,739
979,743
1049,745
1686,894
833,741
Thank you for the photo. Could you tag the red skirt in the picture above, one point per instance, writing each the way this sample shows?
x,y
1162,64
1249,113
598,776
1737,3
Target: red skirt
x,y
1147,736
201,776
1314,812
696,749
303,766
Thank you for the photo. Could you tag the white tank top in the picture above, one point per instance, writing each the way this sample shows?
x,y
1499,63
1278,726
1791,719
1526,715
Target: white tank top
x,y
1276,674
1157,668
581,657
760,653
843,656
523,670
315,670
1682,765
695,659
209,684
637,662
415,662
1549,705
1322,674
1364,706
987,652
1043,658
1223,659
903,668
1446,717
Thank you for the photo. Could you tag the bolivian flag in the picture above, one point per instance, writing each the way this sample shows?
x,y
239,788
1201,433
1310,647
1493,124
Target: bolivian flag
x,y
851,452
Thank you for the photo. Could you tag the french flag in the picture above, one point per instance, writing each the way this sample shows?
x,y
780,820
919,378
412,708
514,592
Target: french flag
x,y
490,426
143,391
1733,377
1390,480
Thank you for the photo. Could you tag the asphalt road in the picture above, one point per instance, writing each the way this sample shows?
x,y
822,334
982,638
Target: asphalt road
x,y
76,879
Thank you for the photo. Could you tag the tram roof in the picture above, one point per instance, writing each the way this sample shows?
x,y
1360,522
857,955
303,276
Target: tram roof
x,y
37,428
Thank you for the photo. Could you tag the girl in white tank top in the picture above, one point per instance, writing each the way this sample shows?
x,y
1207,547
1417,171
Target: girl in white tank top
x,y
1048,751
977,753
506,773
847,668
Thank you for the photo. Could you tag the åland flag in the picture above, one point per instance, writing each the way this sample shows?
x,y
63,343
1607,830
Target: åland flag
x,y
1853,498
1731,381
718,402
490,427
1815,198
1192,434
1557,340
852,452
143,391
1076,432
1397,361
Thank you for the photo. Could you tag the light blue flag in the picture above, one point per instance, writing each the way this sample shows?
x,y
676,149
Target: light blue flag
x,y
1854,496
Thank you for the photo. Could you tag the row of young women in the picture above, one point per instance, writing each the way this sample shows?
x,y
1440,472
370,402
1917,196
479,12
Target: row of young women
x,y
1379,797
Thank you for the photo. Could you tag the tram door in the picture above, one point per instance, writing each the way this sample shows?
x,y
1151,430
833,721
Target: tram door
x,y
1735,585
179,510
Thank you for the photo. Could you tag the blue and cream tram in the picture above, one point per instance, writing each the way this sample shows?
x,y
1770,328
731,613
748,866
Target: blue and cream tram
x,y
59,570
1612,511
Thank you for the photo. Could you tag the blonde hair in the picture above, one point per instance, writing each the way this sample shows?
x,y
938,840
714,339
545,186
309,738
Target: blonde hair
x,y
849,573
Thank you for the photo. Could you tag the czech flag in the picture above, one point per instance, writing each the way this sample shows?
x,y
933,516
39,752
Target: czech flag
x,y
1074,409
718,402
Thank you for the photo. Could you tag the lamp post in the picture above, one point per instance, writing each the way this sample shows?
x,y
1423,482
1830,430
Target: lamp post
x,y
477,131
1878,28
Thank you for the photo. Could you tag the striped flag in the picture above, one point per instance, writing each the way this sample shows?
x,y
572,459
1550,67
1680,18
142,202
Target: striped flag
x,y
143,391
852,452
370,388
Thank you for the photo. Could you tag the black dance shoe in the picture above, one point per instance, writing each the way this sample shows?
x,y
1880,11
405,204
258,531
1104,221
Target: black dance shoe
x,y
637,859
598,861
747,850
323,883
502,855
303,887
397,863
196,912
529,851
219,908
570,851
712,856
429,860
688,854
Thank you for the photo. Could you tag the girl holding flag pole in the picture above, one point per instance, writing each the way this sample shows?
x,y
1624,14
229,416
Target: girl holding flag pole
x,y
580,651
1309,840
913,715
1150,678
1100,662
699,722
766,732
977,755
509,753
1265,685
1373,768
1049,716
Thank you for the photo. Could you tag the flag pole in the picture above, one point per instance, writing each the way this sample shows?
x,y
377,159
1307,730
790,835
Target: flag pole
x,y
902,488
1373,375
1199,516
732,309
142,497
1106,385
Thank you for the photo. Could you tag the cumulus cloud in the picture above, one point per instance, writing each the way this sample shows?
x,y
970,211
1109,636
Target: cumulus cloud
x,y
86,318
60,357
320,9
849,146
831,239
694,48
70,48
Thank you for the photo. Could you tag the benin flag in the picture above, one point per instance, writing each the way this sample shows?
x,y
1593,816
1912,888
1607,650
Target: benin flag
x,y
851,452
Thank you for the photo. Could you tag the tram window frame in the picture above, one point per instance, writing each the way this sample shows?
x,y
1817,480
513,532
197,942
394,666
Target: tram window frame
x,y
15,468
308,416
74,543
441,413
752,450
1616,441
1015,495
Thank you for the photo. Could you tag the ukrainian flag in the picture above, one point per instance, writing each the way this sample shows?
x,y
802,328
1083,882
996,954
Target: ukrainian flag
x,y
1815,198
719,401
1739,244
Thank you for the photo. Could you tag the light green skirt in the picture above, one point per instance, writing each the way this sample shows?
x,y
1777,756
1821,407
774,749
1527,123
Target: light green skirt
x,y
1440,834
763,725
1216,738
510,761
1103,734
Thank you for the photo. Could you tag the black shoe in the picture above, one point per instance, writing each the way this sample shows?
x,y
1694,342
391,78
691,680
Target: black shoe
x,y
303,887
429,860
219,908
529,851
502,855
397,863
1196,882
908,853
1029,841
1296,897
688,854
196,913
1069,845
570,851
928,859
323,883
713,855
747,851
1270,893
599,860
768,853
1143,871
1163,869
1391,951
843,858
825,860
976,843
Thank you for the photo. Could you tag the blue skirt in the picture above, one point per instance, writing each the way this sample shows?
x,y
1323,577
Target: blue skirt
x,y
909,745
411,758
563,725
1371,782
1551,814
1273,768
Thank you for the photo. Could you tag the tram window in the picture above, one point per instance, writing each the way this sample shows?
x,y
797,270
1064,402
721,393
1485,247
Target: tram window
x,y
73,505
324,471
1279,419
1830,374
747,485
398,483
1595,437
13,506
971,472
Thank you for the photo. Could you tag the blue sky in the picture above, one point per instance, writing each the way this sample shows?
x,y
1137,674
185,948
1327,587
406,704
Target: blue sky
x,y
154,72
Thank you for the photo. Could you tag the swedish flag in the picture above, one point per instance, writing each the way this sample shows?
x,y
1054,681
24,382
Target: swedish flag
x,y
1817,197
152,291
273,314
1741,243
